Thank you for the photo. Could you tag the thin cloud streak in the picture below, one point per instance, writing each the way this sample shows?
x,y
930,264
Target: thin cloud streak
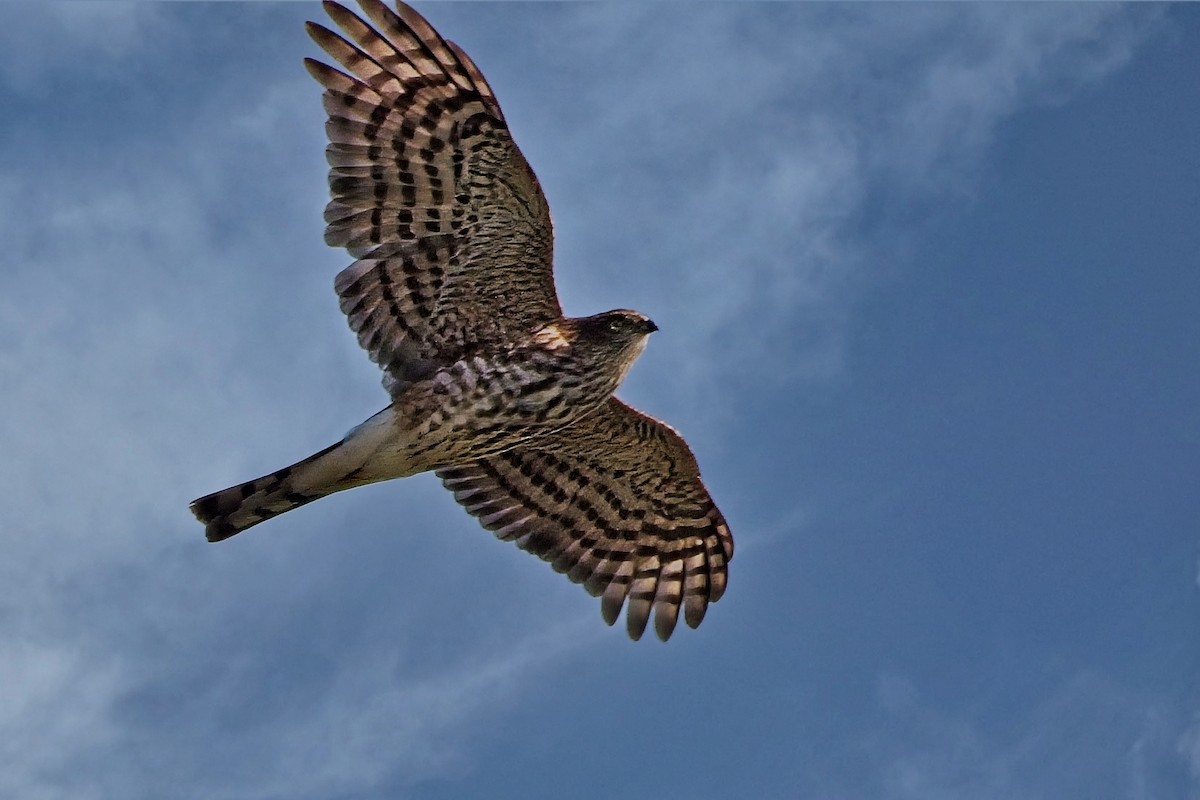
x,y
1088,734
38,42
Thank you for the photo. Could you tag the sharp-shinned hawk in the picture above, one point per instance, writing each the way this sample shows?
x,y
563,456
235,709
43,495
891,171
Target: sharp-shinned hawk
x,y
507,400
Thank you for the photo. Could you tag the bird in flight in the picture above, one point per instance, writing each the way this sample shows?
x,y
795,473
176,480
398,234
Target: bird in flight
x,y
452,294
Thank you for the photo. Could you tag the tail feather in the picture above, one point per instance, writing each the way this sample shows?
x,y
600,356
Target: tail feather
x,y
237,508
374,451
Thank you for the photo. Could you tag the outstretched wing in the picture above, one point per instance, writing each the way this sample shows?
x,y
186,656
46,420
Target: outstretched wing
x,y
616,502
447,220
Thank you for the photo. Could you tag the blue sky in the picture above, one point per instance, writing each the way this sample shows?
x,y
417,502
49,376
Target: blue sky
x,y
927,284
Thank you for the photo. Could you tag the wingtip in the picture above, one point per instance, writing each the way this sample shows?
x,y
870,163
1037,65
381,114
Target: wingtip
x,y
694,609
609,613
322,34
637,615
665,619
315,68
612,600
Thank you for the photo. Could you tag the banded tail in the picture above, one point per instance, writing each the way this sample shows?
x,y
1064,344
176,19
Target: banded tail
x,y
232,510
369,453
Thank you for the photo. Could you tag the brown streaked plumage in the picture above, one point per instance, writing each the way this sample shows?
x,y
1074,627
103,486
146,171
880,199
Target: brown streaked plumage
x,y
507,400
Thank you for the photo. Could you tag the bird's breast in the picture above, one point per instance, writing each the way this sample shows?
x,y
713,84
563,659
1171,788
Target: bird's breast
x,y
523,391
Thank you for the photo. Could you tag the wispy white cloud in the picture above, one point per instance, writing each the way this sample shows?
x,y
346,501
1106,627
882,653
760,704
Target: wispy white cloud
x,y
38,40
1188,748
745,150
138,373
1086,736
393,728
53,709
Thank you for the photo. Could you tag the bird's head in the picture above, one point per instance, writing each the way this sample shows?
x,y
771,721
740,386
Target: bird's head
x,y
618,330
617,337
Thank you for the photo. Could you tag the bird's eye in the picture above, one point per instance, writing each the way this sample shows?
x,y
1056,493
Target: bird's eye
x,y
615,325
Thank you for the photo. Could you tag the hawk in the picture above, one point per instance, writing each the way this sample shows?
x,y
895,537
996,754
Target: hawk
x,y
452,294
